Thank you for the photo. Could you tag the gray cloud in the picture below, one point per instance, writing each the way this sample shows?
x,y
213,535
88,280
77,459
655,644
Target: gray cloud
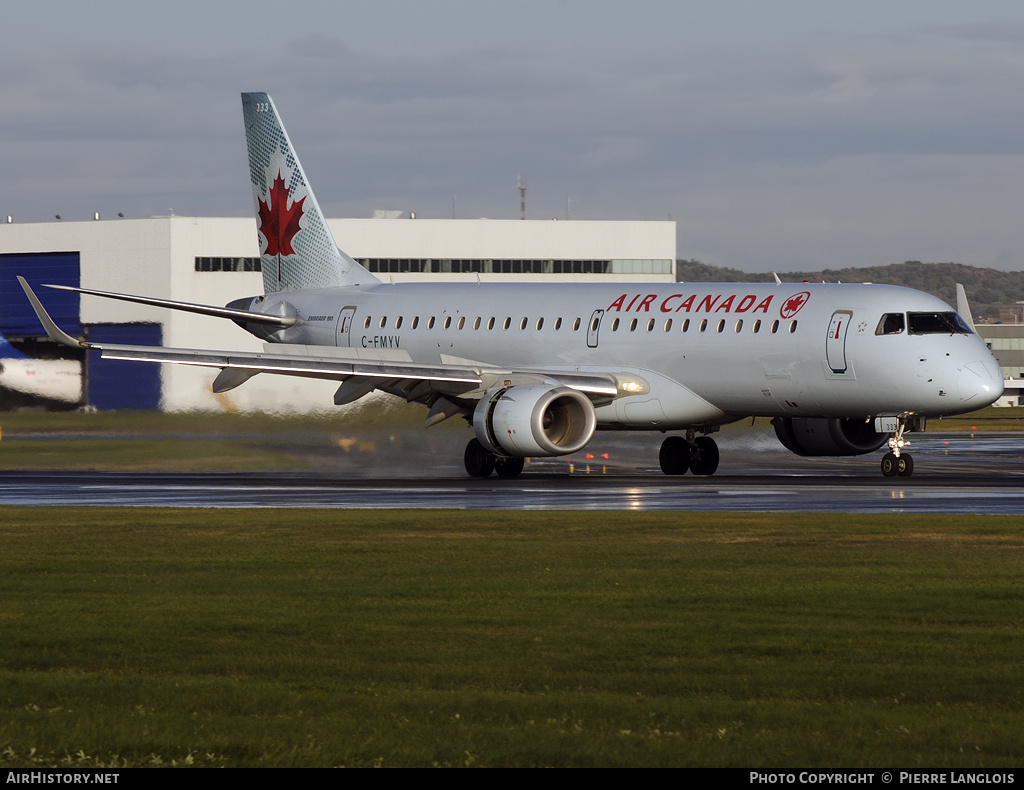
x,y
810,148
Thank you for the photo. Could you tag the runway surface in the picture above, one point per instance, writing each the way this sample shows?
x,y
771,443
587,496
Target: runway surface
x,y
958,475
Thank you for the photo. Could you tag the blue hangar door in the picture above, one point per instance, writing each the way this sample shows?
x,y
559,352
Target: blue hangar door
x,y
17,319
116,384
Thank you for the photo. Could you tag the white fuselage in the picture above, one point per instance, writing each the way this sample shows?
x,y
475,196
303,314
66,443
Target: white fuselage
x,y
52,379
710,353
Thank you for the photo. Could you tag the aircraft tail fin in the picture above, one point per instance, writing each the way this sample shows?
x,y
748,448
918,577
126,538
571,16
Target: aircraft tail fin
x,y
7,351
963,307
297,249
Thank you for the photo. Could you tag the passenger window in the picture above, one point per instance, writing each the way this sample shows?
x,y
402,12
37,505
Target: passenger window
x,y
632,325
739,325
398,322
507,323
775,326
540,324
462,322
383,321
476,322
558,324
490,323
668,325
890,324
523,323
686,325
757,326
650,325
792,326
576,325
615,325
703,324
366,323
430,322
447,322
415,322
721,325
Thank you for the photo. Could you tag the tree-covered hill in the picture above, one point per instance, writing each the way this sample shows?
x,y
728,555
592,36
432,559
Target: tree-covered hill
x,y
987,289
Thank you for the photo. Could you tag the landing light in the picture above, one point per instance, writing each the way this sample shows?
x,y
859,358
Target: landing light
x,y
633,387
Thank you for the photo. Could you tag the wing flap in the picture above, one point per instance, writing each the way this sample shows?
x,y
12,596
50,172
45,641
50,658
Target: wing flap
x,y
290,365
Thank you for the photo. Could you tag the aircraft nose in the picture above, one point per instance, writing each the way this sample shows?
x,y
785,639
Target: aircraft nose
x,y
980,383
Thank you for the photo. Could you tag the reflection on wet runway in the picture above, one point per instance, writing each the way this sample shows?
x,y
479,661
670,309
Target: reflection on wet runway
x,y
958,475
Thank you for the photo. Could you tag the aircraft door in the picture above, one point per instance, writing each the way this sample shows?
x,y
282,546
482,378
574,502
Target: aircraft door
x,y
346,318
595,326
835,343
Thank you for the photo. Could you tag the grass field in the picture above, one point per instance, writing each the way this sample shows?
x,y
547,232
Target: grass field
x,y
409,638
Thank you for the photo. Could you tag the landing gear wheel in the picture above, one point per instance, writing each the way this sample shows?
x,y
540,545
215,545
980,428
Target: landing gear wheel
x,y
704,456
897,467
479,462
675,455
509,467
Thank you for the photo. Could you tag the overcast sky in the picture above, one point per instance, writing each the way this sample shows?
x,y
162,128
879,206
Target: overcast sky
x,y
779,135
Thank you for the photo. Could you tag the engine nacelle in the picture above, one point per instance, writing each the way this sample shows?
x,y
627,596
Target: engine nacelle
x,y
534,420
828,436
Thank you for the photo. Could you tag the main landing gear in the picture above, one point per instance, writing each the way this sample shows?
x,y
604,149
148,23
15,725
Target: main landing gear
x,y
480,462
699,454
897,462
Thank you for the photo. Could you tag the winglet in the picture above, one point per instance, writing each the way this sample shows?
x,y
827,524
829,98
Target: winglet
x,y
56,334
963,307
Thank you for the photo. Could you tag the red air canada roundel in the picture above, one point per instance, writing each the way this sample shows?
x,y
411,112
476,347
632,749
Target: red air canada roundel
x,y
279,222
792,305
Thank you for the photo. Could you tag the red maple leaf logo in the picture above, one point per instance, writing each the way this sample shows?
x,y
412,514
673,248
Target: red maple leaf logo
x,y
279,222
792,305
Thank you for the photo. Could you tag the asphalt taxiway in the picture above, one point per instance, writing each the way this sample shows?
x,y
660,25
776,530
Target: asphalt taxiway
x,y
952,475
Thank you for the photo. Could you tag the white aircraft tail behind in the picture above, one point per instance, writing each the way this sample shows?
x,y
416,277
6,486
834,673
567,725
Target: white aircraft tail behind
x,y
297,249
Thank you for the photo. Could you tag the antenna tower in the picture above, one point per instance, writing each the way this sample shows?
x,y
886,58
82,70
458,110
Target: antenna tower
x,y
521,183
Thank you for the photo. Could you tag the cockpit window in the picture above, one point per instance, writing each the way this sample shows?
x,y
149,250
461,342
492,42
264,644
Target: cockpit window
x,y
891,324
937,324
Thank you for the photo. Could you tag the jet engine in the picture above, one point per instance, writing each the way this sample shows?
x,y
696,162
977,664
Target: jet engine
x,y
828,436
534,420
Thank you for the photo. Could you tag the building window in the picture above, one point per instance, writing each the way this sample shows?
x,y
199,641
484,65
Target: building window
x,y
207,264
487,266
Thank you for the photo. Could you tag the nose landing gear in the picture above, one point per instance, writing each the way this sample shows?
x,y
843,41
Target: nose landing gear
x,y
897,462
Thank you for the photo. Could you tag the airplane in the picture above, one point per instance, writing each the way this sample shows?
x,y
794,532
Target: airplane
x,y
537,369
46,379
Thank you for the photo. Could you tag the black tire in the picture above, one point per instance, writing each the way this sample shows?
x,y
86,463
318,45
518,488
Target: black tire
x,y
674,456
905,465
704,458
889,468
509,467
479,462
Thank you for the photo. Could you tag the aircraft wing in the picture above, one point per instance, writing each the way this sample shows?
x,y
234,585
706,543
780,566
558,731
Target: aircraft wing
x,y
361,371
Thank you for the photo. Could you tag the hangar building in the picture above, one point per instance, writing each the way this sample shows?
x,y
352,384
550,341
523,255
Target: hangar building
x,y
213,260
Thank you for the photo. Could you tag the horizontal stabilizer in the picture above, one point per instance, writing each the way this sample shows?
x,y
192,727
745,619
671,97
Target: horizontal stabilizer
x,y
188,307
